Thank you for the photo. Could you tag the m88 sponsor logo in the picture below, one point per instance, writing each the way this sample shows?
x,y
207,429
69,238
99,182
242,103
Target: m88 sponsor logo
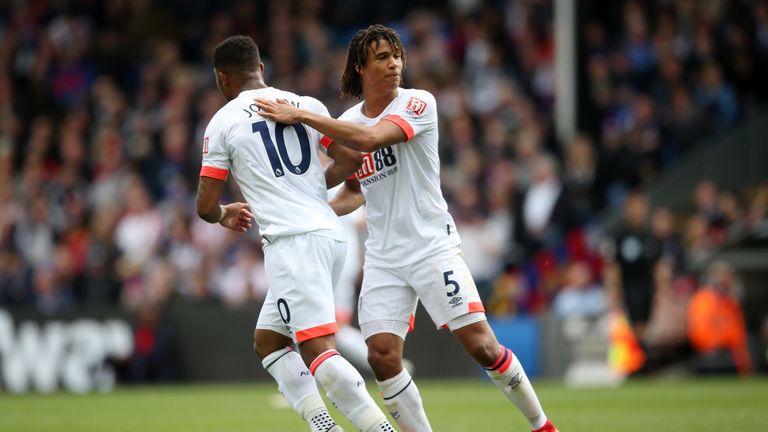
x,y
376,161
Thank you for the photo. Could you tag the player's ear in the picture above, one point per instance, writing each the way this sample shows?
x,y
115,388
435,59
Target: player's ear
x,y
261,68
358,69
221,76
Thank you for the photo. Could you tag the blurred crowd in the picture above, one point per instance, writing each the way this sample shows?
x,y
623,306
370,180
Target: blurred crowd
x,y
103,105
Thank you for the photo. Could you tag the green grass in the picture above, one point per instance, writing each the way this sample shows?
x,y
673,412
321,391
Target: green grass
x,y
452,406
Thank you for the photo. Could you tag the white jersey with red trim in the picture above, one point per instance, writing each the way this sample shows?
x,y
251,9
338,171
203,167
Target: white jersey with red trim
x,y
408,217
277,166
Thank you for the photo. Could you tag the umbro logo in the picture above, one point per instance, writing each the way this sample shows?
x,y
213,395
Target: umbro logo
x,y
515,381
395,415
456,301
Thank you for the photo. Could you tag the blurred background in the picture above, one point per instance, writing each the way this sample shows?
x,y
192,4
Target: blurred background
x,y
606,164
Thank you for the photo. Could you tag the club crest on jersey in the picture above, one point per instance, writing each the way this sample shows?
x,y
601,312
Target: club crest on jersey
x,y
205,145
367,169
416,106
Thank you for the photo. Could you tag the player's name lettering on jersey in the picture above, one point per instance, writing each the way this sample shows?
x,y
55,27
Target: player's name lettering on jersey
x,y
377,177
253,109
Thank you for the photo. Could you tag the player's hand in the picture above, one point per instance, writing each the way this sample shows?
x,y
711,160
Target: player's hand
x,y
237,217
279,111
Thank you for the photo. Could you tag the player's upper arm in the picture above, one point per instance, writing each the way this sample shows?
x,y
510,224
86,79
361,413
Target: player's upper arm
x,y
415,113
214,170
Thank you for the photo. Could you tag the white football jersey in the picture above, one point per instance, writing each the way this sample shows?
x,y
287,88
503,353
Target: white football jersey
x,y
408,217
277,166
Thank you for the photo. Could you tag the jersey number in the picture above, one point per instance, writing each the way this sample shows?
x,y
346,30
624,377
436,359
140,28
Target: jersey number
x,y
384,157
450,282
282,309
279,156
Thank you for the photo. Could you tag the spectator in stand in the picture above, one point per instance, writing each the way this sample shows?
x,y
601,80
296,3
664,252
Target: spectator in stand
x,y
716,324
698,243
666,237
580,296
580,178
544,213
705,202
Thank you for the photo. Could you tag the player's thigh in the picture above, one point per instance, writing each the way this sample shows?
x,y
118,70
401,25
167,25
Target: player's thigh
x,y
445,286
386,303
300,271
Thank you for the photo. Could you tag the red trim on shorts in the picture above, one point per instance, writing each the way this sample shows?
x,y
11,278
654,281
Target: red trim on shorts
x,y
475,307
326,141
213,172
315,332
404,125
320,359
411,323
444,326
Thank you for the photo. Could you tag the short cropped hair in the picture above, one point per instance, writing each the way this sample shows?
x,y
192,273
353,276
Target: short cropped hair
x,y
357,54
236,54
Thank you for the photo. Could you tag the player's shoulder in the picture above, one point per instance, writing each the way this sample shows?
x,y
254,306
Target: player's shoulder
x,y
417,102
221,117
424,95
352,112
303,101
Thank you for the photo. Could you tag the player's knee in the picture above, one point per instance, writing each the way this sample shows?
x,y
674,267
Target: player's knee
x,y
383,361
265,343
260,349
484,351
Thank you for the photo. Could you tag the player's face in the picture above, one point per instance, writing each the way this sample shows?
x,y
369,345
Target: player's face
x,y
383,66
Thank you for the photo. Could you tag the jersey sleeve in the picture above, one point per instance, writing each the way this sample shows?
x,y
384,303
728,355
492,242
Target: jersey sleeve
x,y
415,113
216,160
318,107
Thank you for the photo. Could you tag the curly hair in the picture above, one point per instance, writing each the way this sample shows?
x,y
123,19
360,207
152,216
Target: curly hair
x,y
357,54
237,54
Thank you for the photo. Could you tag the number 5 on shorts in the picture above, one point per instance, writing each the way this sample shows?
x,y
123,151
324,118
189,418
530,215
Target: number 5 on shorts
x,y
448,281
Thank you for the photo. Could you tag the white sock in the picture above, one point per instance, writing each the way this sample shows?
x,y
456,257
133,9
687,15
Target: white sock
x,y
346,389
351,344
402,398
298,387
508,375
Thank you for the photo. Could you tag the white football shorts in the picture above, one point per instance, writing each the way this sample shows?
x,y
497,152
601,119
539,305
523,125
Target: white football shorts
x,y
301,272
389,295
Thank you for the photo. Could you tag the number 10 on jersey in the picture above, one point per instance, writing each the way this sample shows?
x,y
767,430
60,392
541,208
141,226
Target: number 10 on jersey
x,y
278,154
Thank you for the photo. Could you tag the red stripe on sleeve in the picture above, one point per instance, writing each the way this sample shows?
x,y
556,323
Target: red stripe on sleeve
x,y
213,172
326,141
404,125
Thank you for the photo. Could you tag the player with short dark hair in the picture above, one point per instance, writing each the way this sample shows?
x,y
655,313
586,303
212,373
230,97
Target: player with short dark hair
x,y
412,250
278,169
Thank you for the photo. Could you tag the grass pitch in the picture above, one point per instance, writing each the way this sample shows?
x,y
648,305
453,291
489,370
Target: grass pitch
x,y
452,406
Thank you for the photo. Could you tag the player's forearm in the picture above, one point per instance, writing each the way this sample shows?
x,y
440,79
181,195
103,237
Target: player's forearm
x,y
354,136
345,202
211,215
336,172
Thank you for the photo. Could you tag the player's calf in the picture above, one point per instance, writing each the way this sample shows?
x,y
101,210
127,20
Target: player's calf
x,y
346,388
